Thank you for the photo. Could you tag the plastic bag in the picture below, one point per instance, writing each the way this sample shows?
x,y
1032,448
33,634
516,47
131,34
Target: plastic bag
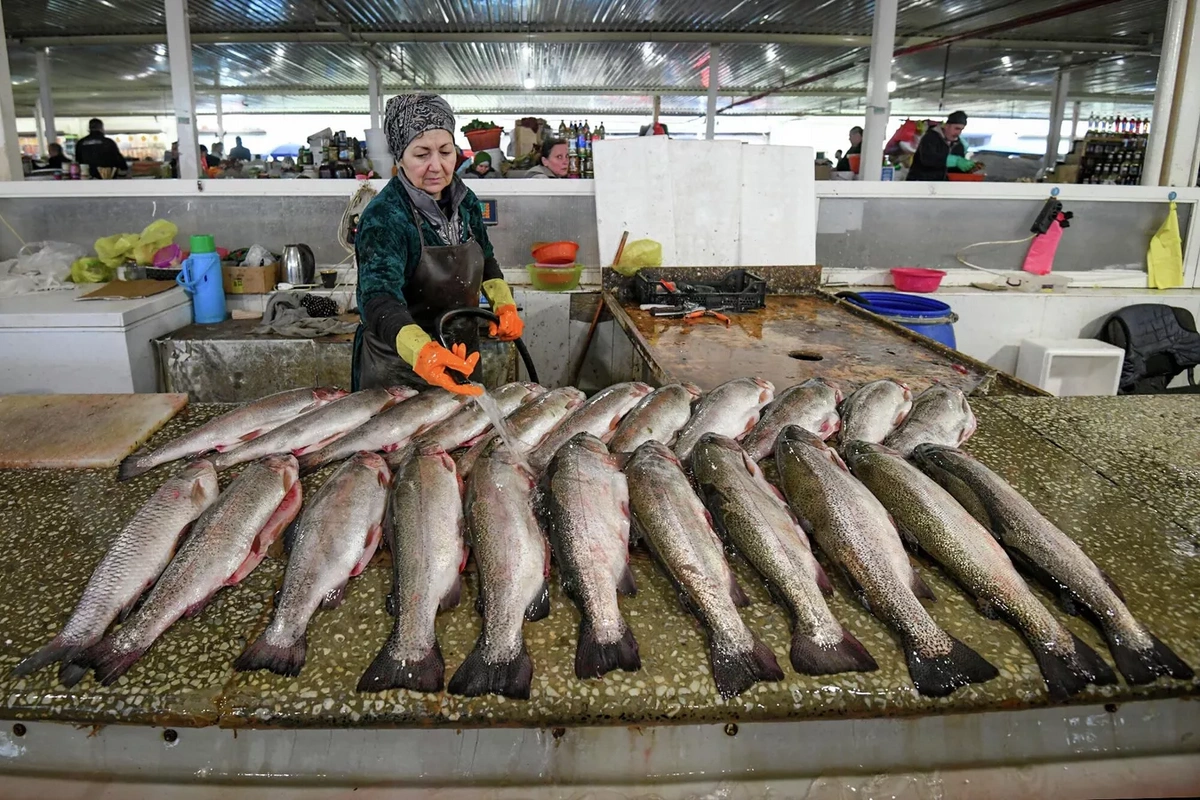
x,y
92,270
154,237
39,266
258,256
114,250
639,255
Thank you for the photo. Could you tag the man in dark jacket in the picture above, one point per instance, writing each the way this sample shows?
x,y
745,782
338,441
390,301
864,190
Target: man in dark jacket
x,y
96,151
941,150
856,134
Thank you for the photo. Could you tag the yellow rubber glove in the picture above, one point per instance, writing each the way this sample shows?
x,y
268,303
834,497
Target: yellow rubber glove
x,y
409,342
505,307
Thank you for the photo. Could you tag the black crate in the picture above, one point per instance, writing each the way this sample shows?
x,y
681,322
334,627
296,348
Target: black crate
x,y
738,290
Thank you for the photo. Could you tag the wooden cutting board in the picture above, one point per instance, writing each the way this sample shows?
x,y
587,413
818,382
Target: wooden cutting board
x,y
70,431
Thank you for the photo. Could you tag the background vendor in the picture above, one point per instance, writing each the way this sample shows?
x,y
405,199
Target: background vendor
x,y
422,250
941,151
554,160
481,167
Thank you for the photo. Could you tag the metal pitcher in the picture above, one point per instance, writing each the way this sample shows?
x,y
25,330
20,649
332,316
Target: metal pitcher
x,y
299,265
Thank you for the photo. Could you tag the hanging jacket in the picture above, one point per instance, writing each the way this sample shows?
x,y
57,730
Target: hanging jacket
x,y
1160,341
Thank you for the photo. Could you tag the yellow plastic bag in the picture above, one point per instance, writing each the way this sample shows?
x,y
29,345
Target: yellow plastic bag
x,y
156,236
92,270
1164,259
114,250
639,255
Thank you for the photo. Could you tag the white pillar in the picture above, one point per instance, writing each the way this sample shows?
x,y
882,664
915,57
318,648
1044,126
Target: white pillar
x,y
10,146
1058,110
179,53
1076,110
220,118
39,130
374,93
1184,121
44,97
883,43
657,108
1164,94
714,69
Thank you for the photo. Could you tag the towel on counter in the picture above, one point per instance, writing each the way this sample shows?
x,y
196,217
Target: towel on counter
x,y
293,315
1164,258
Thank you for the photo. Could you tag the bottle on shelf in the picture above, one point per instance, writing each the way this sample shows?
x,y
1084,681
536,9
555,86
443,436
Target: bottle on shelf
x,y
600,131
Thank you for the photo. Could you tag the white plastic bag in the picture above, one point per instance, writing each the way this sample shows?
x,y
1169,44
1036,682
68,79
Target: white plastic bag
x,y
39,266
258,256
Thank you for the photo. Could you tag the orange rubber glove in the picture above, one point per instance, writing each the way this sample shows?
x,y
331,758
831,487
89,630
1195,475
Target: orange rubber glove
x,y
434,360
510,327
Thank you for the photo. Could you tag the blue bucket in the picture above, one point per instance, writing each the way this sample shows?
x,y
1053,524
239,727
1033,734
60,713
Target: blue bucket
x,y
922,315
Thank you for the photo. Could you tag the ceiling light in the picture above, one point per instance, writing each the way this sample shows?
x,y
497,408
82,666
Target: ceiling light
x,y
530,83
1120,62
891,86
772,52
1006,61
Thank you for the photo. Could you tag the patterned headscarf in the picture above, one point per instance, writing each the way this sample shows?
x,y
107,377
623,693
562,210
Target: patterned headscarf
x,y
407,116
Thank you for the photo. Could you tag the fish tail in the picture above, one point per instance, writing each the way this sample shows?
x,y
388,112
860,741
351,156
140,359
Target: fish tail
x,y
108,660
71,673
1068,674
131,466
735,672
282,659
1146,666
594,659
941,675
477,677
425,674
57,649
310,462
812,658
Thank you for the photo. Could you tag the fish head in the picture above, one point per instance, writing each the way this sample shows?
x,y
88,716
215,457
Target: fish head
x,y
399,394
433,450
327,394
286,466
832,386
533,388
693,390
713,450
905,389
570,397
808,446
830,424
375,463
639,389
588,442
936,457
971,424
858,453
205,476
766,390
654,449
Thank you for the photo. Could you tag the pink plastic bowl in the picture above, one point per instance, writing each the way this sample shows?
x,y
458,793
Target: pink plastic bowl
x,y
916,279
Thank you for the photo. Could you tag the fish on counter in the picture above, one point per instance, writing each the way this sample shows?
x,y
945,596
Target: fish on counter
x,y
513,560
812,405
334,539
751,516
134,560
937,524
939,415
585,504
855,531
312,431
529,424
599,416
424,529
1044,551
232,429
675,524
874,410
732,409
388,430
658,416
226,544
470,422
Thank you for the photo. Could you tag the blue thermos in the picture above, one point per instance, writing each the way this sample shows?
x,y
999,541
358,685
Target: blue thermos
x,y
200,276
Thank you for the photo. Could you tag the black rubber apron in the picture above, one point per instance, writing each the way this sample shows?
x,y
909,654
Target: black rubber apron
x,y
445,277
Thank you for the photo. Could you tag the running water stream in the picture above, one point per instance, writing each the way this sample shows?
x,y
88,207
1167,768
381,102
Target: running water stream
x,y
488,404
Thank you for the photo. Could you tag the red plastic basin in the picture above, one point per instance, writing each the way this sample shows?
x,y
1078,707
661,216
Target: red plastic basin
x,y
916,279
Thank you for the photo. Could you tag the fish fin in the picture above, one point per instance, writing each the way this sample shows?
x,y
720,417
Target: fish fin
x,y
254,434
920,588
626,585
1068,675
310,462
476,677
735,672
452,597
282,659
1113,585
941,675
1065,597
540,607
823,582
426,674
54,651
736,593
70,673
315,446
374,536
108,662
252,560
289,535
334,598
987,608
848,655
594,660
1146,666
857,588
130,468
129,607
197,607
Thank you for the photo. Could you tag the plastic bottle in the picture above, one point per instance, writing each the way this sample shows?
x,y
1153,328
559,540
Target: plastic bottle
x,y
200,276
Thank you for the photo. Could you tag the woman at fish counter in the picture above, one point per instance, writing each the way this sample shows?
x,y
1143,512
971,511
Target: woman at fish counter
x,y
422,250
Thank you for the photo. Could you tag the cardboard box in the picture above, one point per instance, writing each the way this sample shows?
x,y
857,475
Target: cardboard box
x,y
1066,173
822,172
249,280
524,141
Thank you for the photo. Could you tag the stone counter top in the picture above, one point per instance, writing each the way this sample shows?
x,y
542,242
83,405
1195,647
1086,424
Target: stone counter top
x,y
55,526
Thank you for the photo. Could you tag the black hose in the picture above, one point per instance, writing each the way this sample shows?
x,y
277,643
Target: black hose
x,y
490,317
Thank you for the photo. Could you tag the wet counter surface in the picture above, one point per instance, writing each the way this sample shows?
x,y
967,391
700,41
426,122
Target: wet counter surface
x,y
55,526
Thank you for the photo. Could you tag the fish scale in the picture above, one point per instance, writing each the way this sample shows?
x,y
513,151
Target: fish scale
x,y
874,410
731,409
939,415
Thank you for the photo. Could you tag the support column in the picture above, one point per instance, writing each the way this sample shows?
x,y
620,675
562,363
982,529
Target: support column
x,y
714,81
42,144
217,106
1058,109
374,93
10,146
1076,111
879,76
657,109
179,53
45,99
1164,93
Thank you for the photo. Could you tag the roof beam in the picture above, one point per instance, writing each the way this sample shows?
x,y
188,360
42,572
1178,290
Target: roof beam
x,y
550,37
